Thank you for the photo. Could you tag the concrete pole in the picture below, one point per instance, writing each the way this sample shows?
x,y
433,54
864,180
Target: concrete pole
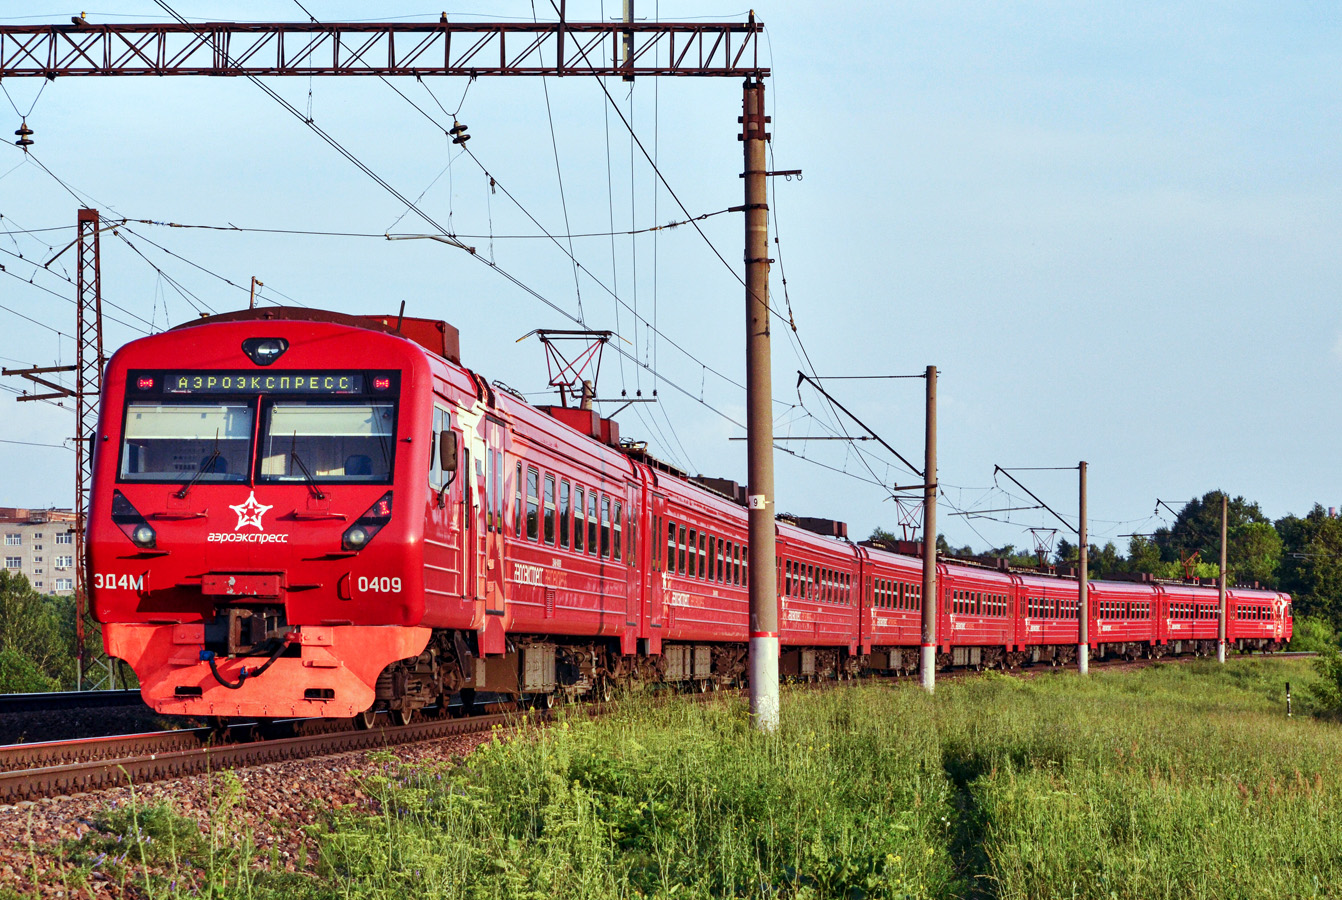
x,y
1221,591
1083,587
929,644
759,419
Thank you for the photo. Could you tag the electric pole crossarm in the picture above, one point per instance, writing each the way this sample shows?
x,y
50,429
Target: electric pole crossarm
x,y
382,48
1069,525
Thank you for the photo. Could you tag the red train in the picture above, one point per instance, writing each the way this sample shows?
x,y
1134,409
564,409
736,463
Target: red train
x,y
304,513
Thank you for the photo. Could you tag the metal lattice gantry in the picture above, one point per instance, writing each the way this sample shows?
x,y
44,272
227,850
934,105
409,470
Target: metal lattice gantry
x,y
89,362
385,48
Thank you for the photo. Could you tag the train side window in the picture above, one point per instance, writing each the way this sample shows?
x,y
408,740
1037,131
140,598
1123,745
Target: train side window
x,y
518,522
489,489
605,527
671,546
533,503
680,551
745,566
550,509
435,473
617,522
691,564
592,522
633,537
703,555
564,490
579,518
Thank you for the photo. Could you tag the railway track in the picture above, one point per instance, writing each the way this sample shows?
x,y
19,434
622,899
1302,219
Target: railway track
x,y
30,772
137,759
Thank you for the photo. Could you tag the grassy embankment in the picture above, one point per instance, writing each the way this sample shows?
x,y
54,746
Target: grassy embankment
x,y
1172,782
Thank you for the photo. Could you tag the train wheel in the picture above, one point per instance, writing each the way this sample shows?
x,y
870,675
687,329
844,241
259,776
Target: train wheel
x,y
366,719
403,716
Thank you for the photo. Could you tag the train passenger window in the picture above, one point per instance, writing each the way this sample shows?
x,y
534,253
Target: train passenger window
x,y
617,521
703,555
498,491
533,503
680,552
579,519
692,565
517,502
592,523
717,566
175,442
549,509
564,489
633,537
489,489
671,546
745,566
605,527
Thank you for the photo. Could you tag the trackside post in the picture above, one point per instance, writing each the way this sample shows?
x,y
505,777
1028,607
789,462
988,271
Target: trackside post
x,y
762,579
1221,588
929,642
1083,587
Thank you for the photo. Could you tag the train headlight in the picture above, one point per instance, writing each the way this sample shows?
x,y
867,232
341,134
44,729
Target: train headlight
x,y
366,527
143,536
264,351
133,525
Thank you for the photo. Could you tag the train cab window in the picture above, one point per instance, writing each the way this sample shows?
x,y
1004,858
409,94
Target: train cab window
x,y
593,524
550,509
617,522
605,528
174,442
564,489
533,503
333,442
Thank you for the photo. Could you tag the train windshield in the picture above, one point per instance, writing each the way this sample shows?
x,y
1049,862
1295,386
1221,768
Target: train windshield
x,y
328,442
172,442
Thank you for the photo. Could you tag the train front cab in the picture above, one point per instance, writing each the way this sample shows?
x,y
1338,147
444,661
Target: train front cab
x,y
253,531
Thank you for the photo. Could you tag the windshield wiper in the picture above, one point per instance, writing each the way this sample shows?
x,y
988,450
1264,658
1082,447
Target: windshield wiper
x,y
205,465
312,482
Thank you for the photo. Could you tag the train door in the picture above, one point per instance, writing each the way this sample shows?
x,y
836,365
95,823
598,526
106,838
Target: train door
x,y
661,550
490,520
632,520
443,537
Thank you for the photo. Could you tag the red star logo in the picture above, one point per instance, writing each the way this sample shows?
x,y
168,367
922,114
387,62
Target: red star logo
x,y
250,512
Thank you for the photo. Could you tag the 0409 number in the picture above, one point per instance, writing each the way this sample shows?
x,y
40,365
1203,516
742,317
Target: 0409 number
x,y
377,585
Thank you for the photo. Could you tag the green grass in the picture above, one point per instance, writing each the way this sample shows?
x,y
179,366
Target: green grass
x,y
1178,781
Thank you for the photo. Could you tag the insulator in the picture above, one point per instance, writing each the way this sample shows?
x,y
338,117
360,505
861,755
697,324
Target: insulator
x,y
458,132
25,136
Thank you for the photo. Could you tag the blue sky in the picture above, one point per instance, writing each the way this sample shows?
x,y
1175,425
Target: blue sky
x,y
1113,227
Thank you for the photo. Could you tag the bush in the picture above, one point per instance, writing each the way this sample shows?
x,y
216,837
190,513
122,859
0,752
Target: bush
x,y
20,675
1311,634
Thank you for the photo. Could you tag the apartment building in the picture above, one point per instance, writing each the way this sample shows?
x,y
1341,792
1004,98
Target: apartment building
x,y
40,544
